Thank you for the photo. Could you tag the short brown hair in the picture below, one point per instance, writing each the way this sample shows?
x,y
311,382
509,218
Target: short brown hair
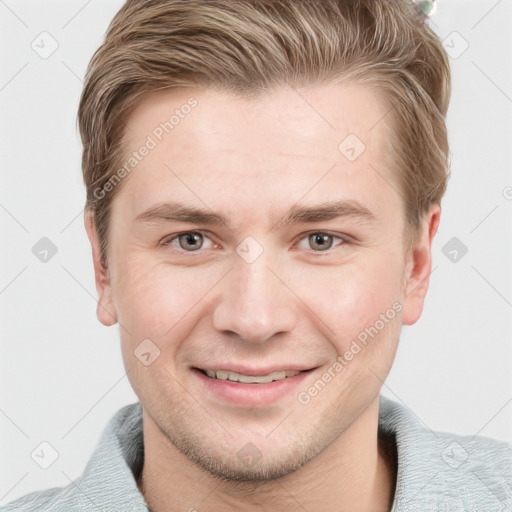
x,y
249,47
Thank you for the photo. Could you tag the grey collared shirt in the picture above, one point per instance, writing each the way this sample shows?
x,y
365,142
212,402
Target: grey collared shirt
x,y
437,471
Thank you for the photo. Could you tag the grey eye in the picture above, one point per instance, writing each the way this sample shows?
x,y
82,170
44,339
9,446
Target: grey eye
x,y
191,241
320,241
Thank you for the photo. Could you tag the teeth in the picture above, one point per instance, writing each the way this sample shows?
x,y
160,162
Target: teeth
x,y
250,379
233,376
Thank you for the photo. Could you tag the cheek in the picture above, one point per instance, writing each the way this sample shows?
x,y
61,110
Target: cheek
x,y
158,307
158,301
350,299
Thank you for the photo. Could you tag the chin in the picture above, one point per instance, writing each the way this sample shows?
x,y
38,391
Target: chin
x,y
247,464
241,471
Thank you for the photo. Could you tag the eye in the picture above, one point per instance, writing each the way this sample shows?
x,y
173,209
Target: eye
x,y
321,241
189,242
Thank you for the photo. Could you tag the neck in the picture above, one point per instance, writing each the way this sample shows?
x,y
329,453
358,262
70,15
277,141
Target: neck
x,y
355,473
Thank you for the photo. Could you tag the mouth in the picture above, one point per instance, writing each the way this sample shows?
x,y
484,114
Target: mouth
x,y
250,379
248,387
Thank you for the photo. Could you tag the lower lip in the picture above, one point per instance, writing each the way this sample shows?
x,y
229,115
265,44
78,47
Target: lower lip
x,y
251,395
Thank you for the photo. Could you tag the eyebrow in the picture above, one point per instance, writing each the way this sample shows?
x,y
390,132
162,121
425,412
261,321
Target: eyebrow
x,y
328,211
176,212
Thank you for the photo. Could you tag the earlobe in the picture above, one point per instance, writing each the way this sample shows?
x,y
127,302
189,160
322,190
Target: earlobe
x,y
419,267
105,310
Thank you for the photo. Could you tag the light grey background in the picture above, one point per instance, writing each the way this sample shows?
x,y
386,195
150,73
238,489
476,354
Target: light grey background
x,y
61,372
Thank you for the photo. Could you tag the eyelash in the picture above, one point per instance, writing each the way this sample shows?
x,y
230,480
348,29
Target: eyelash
x,y
343,239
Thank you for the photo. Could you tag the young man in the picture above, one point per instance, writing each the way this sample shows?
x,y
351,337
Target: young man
x,y
264,181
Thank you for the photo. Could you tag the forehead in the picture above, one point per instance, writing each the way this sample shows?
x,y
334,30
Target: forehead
x,y
211,148
293,115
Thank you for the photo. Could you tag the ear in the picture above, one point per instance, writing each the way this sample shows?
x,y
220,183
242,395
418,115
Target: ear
x,y
419,267
105,310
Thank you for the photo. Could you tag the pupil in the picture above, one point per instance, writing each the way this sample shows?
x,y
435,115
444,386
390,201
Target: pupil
x,y
190,241
322,242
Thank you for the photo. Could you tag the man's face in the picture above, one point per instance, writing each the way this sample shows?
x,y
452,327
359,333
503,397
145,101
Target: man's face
x,y
275,288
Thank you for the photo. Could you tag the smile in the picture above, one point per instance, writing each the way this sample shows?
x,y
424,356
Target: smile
x,y
250,379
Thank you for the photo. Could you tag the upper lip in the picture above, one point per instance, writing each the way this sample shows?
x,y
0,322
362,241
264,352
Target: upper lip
x,y
252,371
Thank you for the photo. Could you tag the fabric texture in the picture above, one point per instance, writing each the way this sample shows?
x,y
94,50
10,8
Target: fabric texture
x,y
437,471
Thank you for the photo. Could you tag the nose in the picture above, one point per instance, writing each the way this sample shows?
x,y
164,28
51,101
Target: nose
x,y
255,303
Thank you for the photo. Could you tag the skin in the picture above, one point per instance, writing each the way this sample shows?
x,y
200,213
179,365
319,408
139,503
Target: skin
x,y
251,160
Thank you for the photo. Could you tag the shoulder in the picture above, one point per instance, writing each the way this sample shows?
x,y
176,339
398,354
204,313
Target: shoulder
x,y
107,482
444,471
478,469
54,499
